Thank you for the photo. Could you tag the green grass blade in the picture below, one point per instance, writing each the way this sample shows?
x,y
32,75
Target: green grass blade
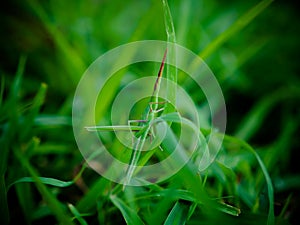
x,y
285,207
247,147
44,180
25,195
171,56
228,209
238,25
178,214
162,209
47,121
35,108
253,120
77,215
18,79
192,209
7,136
52,202
114,128
99,188
271,217
49,181
74,63
131,217
170,31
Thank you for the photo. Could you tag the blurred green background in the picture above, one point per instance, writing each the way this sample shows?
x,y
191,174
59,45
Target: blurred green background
x,y
257,68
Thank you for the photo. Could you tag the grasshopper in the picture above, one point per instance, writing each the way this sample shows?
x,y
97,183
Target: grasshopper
x,y
144,127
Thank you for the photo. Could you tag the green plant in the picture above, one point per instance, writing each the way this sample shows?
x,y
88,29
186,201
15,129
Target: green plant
x,y
38,152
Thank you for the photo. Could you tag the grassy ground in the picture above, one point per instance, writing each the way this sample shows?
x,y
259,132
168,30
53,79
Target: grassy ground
x,y
252,48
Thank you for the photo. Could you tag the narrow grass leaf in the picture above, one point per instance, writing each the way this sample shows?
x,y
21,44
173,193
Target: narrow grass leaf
x,y
131,217
43,120
89,200
7,136
74,63
77,214
35,108
228,209
253,120
44,180
52,202
192,210
247,147
171,56
285,207
238,25
178,214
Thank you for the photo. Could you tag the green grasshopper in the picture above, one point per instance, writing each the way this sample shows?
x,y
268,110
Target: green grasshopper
x,y
144,125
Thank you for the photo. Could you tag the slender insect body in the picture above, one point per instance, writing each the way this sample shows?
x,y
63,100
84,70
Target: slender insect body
x,y
144,127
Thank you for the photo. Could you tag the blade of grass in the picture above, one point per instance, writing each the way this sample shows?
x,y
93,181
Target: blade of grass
x,y
255,117
238,25
192,209
278,150
77,214
178,214
35,108
74,63
54,205
171,56
179,194
162,209
89,200
24,190
8,135
247,147
25,196
47,121
44,180
130,215
188,175
285,207
49,181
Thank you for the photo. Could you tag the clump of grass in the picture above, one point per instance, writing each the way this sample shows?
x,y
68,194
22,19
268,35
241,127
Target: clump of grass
x,y
42,172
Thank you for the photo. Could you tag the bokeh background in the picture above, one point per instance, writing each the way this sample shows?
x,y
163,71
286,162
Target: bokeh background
x,y
257,67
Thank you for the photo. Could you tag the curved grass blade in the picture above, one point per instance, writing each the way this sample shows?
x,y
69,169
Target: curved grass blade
x,y
34,110
247,147
52,202
49,181
253,120
77,214
44,180
130,215
238,25
178,214
7,136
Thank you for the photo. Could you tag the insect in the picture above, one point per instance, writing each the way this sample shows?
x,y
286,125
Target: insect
x,y
144,127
